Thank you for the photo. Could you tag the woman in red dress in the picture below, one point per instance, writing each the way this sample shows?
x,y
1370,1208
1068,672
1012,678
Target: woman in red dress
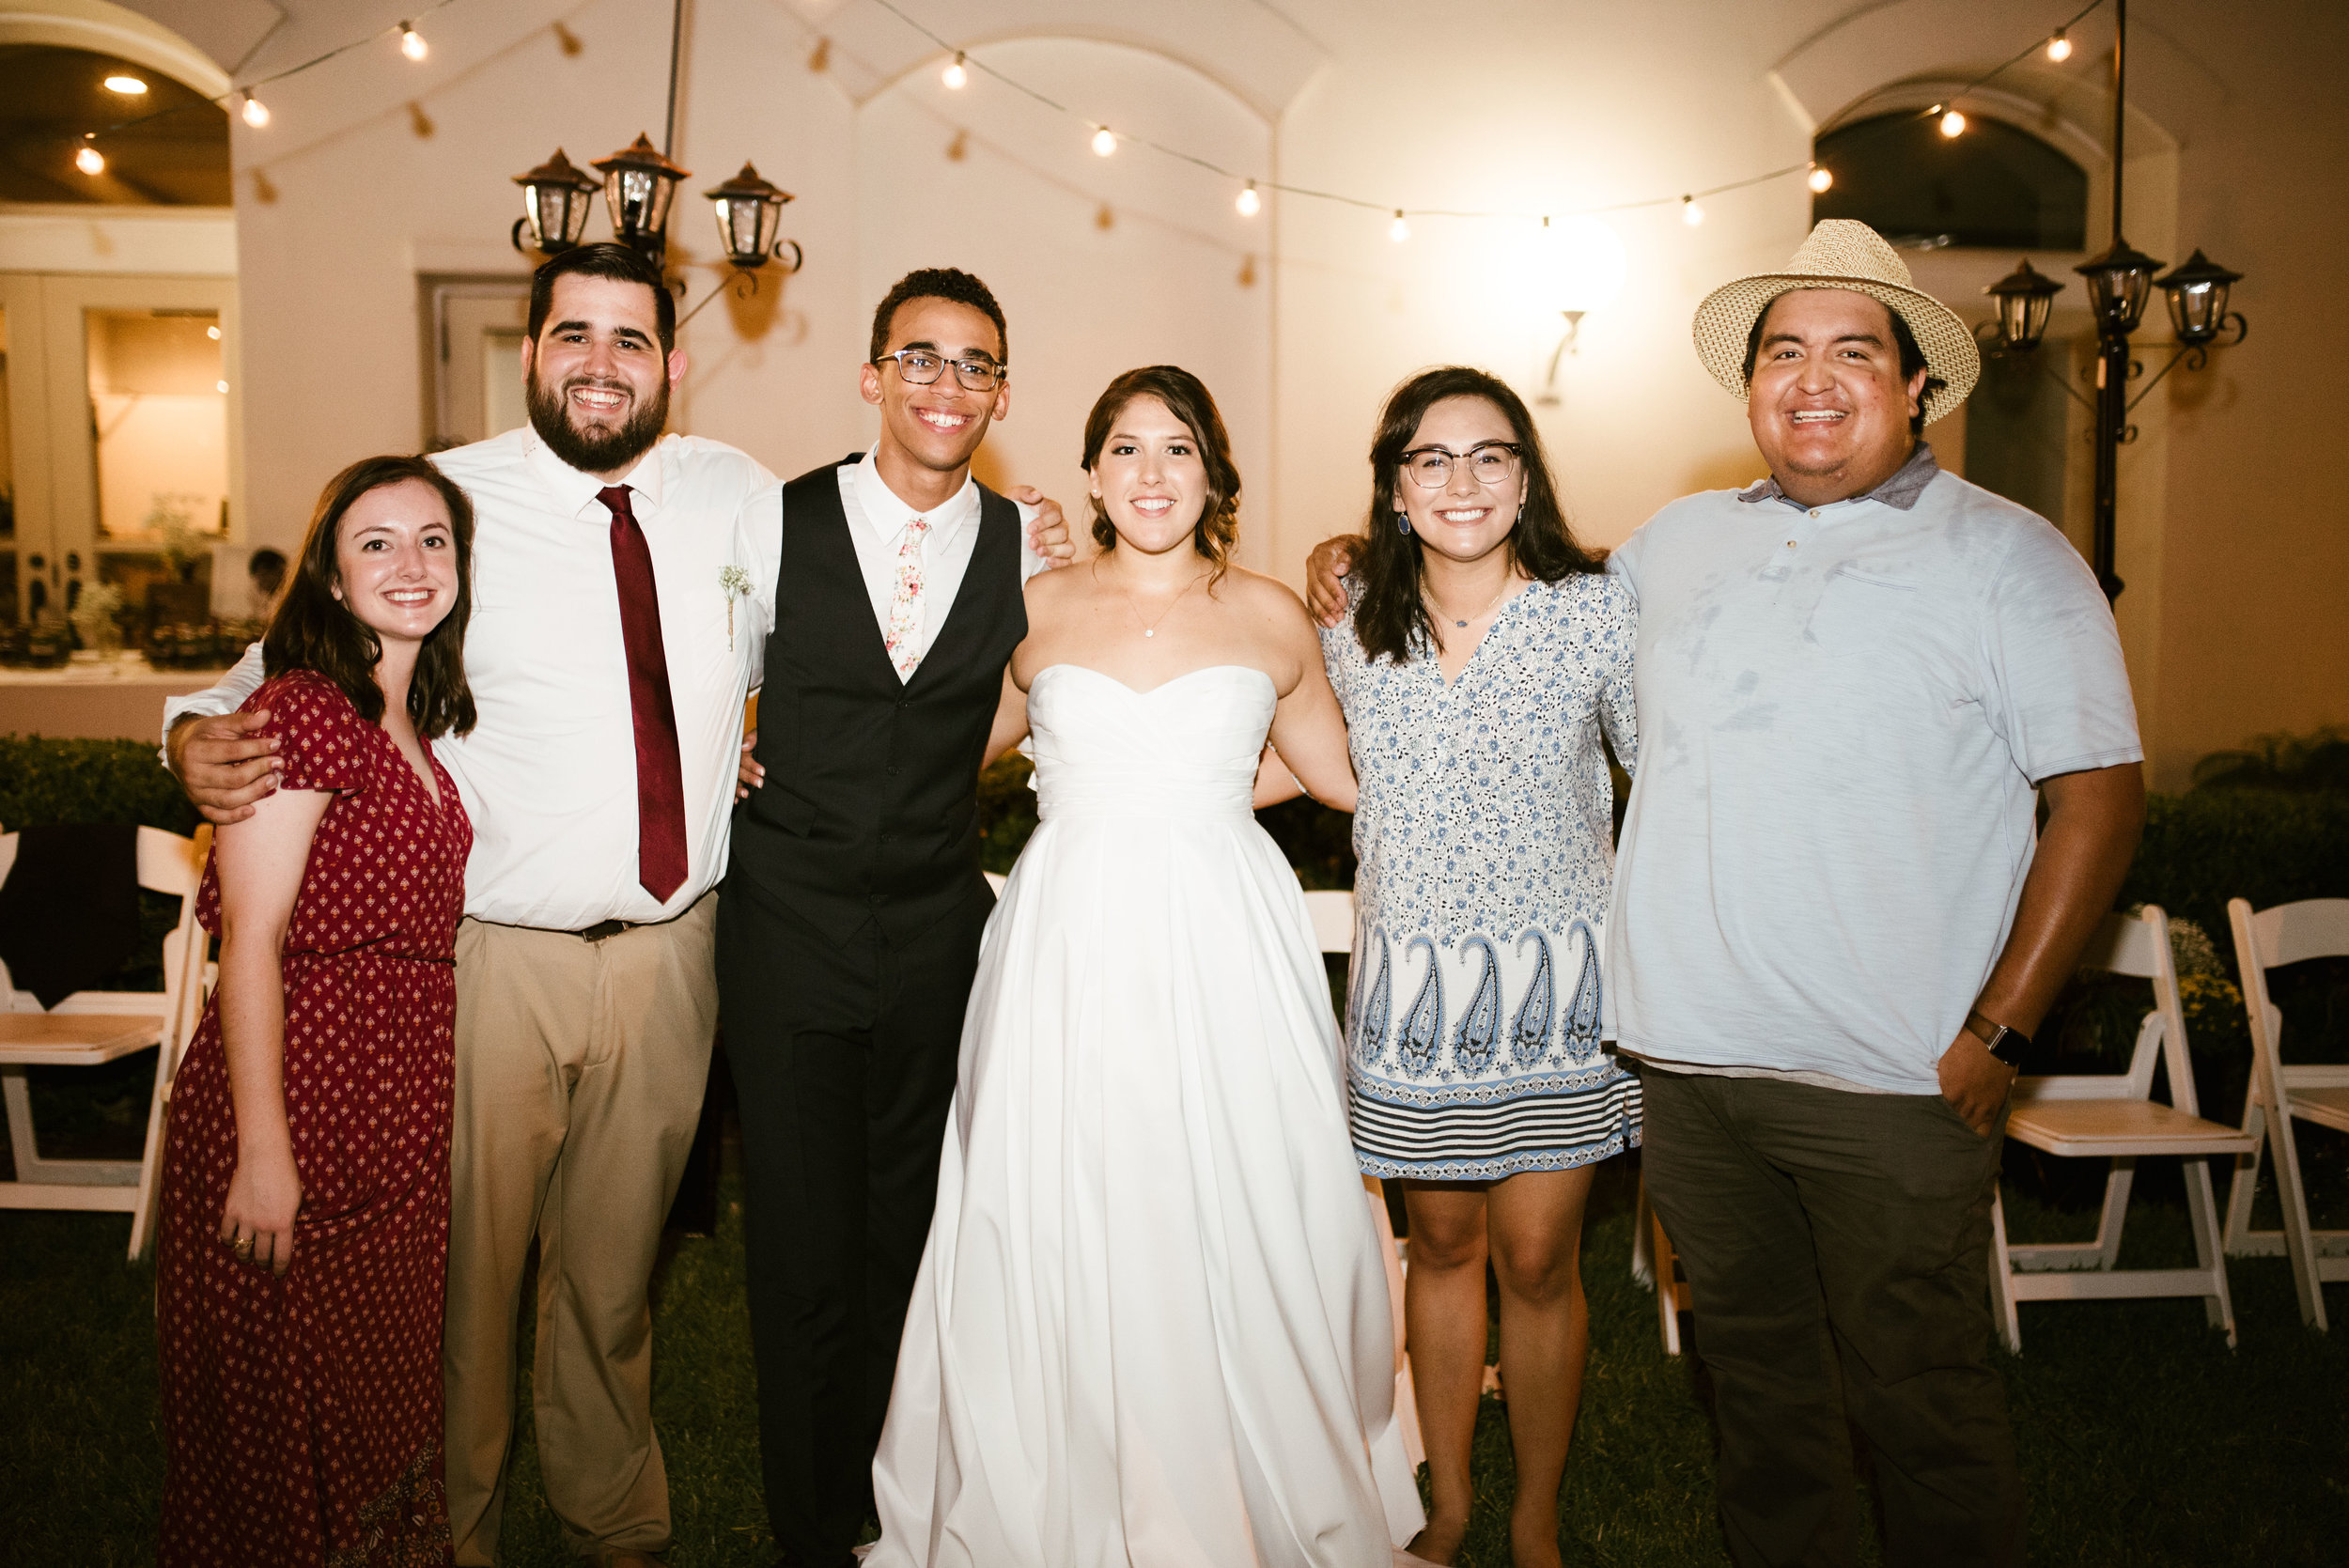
x,y
306,1177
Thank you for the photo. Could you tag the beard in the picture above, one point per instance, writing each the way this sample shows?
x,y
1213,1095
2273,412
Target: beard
x,y
600,452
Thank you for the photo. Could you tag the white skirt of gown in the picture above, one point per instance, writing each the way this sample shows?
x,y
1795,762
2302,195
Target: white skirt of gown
x,y
1151,1326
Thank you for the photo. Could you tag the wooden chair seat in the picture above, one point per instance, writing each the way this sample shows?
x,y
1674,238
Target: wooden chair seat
x,y
75,1039
2089,1129
2326,1107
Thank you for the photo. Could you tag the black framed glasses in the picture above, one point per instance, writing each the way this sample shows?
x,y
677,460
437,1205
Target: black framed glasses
x,y
1492,462
920,368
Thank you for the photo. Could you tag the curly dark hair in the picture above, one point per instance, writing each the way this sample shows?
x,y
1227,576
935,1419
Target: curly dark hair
x,y
938,283
314,630
1391,618
1187,398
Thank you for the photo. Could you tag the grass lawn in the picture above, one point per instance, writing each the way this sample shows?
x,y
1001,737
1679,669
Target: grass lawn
x,y
2143,1438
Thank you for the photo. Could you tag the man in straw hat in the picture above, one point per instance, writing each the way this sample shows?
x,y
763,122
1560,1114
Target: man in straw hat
x,y
1832,933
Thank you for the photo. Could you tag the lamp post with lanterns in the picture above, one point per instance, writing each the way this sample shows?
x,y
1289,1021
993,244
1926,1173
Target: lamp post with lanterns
x,y
2118,283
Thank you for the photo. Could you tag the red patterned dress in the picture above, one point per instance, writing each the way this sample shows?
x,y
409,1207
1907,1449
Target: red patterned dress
x,y
302,1416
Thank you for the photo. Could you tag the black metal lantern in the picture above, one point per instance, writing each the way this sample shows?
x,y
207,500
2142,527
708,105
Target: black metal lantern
x,y
748,210
2119,282
638,185
2026,297
554,205
2197,291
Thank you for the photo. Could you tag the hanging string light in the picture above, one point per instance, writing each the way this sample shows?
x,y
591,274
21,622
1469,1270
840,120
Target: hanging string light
x,y
1691,213
1952,125
2059,47
411,42
1820,179
90,161
1400,229
956,76
1248,203
255,112
1104,141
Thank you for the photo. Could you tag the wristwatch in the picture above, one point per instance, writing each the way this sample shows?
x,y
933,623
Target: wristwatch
x,y
2008,1045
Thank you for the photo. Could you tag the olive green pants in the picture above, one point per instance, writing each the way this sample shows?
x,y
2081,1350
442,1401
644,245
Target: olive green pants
x,y
1837,1249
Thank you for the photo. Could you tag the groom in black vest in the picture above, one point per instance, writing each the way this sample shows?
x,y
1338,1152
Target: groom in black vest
x,y
849,928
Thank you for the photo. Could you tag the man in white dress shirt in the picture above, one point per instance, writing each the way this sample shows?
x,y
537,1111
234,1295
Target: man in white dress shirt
x,y
610,655
888,592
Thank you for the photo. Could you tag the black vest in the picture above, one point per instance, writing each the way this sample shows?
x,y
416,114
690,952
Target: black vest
x,y
870,808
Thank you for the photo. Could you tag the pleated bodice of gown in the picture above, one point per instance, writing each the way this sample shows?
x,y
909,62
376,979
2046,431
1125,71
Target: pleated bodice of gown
x,y
1152,1325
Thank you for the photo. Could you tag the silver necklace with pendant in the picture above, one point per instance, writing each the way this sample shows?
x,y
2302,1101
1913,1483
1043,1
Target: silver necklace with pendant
x,y
1150,628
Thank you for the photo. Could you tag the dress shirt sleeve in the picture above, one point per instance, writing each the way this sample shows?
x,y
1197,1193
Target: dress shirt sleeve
x,y
758,551
1030,562
227,697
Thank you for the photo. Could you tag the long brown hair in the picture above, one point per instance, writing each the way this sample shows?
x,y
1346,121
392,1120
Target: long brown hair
x,y
1187,398
1391,618
314,630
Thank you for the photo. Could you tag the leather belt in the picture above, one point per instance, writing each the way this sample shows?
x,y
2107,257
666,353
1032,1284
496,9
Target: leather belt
x,y
604,928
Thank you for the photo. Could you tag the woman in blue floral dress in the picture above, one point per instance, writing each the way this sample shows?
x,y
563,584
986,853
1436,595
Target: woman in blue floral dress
x,y
1482,653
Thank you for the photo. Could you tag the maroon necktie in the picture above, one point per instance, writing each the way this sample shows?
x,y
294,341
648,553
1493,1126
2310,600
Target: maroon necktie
x,y
659,777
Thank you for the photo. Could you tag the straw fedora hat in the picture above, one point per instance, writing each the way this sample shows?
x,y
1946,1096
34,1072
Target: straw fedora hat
x,y
1841,253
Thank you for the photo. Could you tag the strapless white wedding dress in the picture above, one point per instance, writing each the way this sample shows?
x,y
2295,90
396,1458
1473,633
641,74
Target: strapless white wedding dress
x,y
1152,1325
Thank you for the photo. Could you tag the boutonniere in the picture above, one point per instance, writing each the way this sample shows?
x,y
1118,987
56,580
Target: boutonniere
x,y
736,581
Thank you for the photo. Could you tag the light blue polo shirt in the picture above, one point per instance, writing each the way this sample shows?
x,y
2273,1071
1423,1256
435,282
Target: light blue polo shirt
x,y
1844,715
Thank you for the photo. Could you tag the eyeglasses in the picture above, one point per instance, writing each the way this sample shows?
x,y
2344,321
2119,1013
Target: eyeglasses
x,y
1493,463
920,368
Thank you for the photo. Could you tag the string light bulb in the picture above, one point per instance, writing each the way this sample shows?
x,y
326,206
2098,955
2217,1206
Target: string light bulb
x,y
254,113
2059,47
128,86
411,42
1952,125
1691,213
1104,141
1398,230
90,161
1820,179
1248,203
956,75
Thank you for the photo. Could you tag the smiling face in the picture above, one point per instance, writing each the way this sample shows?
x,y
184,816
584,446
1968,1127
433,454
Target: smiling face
x,y
1827,400
939,425
1465,518
595,379
396,560
1151,477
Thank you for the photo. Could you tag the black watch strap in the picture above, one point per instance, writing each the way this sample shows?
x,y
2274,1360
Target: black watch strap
x,y
2009,1045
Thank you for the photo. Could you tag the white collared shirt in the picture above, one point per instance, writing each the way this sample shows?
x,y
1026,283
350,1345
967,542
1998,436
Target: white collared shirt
x,y
877,526
549,774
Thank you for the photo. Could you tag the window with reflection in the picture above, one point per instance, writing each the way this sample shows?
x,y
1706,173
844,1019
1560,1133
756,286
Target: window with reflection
x,y
1993,185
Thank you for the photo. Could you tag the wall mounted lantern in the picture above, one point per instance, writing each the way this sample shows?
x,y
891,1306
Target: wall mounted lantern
x,y
554,205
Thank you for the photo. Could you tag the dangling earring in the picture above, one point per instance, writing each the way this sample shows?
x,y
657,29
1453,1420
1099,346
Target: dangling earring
x,y
1402,523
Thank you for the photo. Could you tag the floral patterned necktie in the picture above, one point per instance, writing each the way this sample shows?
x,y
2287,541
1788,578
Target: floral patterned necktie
x,y
905,603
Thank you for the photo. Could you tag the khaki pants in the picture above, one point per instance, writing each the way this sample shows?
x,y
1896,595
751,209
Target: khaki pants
x,y
580,1072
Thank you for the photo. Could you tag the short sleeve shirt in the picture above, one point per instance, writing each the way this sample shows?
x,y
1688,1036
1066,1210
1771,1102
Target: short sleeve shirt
x,y
1844,715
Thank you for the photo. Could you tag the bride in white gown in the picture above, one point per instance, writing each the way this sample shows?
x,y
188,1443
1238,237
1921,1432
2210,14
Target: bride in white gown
x,y
1151,1326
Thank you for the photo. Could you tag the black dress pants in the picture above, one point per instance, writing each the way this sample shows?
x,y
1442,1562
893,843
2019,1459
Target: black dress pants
x,y
843,1055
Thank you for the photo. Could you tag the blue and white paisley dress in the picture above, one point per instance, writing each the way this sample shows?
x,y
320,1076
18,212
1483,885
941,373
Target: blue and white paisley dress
x,y
1485,855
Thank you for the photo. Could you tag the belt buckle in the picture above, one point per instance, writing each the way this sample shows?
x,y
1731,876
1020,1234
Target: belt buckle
x,y
604,928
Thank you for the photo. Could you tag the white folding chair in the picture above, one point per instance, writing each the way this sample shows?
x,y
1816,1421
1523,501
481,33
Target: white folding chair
x,y
1332,914
2114,1116
89,1028
1654,1263
2287,933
